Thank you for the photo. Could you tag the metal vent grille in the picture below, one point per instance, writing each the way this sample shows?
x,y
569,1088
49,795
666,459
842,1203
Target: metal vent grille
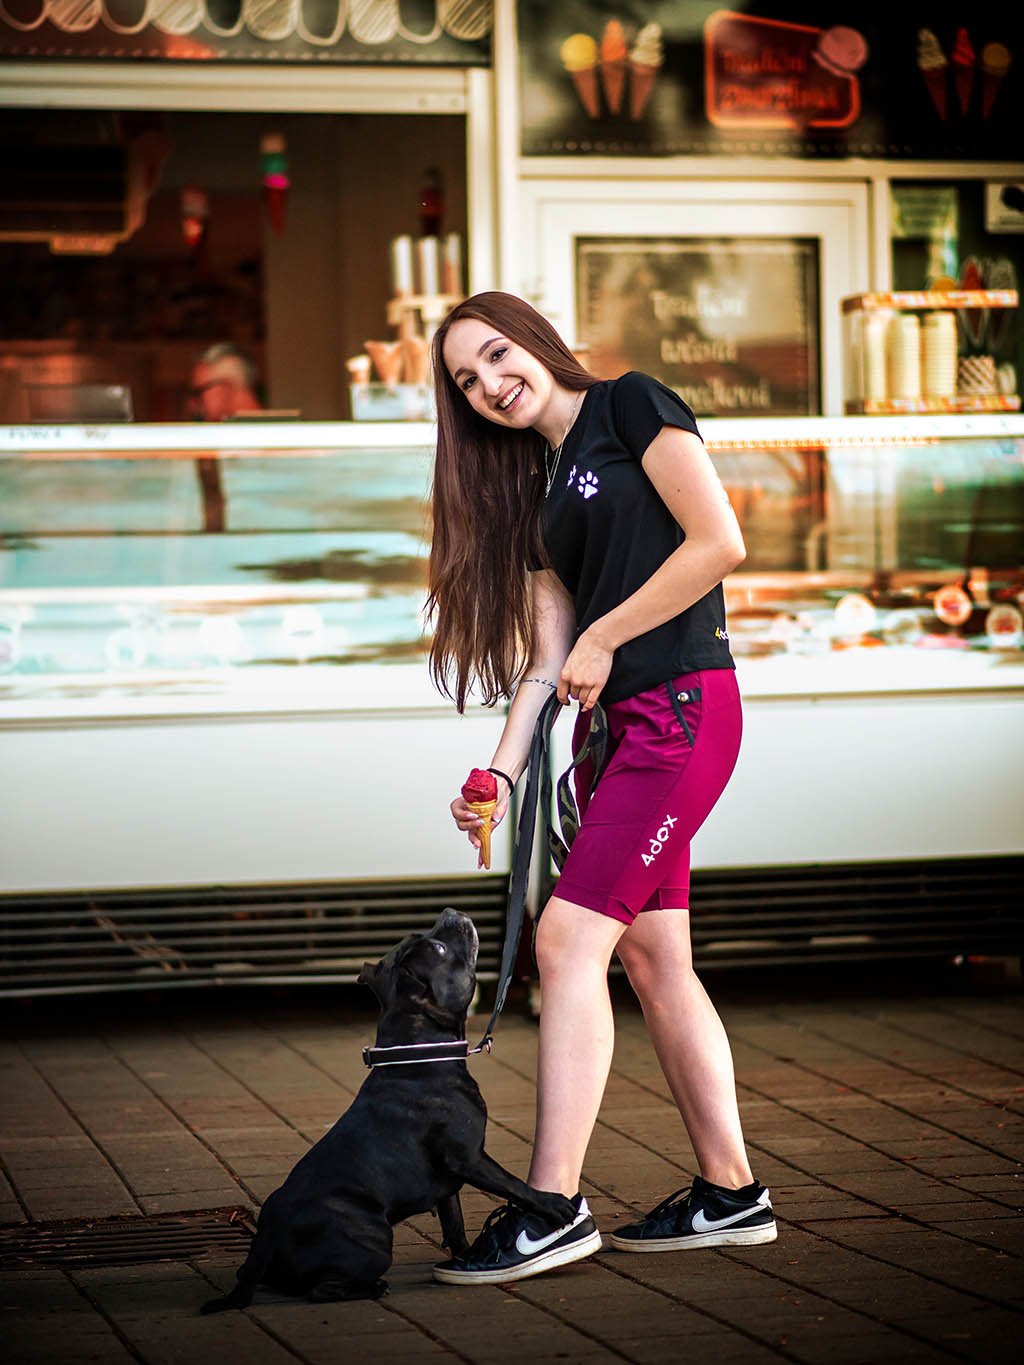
x,y
215,936
940,909
128,1241
293,934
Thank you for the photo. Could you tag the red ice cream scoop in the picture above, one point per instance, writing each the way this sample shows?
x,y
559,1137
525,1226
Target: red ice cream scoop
x,y
480,785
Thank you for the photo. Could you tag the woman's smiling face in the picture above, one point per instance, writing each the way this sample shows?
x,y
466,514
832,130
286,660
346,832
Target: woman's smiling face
x,y
499,379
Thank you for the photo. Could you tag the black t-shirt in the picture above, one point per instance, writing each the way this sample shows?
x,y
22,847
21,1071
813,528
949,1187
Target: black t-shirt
x,y
607,530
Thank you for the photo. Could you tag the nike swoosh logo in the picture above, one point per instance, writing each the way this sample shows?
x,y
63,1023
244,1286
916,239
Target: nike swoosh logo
x,y
528,1246
703,1224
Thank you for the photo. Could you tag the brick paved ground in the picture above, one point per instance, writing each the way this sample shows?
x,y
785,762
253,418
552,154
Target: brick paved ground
x,y
888,1128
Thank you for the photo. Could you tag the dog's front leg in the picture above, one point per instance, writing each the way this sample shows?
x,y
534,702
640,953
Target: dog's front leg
x,y
484,1173
453,1229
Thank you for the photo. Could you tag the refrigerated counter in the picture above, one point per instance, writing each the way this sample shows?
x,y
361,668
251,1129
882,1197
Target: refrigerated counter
x,y
219,729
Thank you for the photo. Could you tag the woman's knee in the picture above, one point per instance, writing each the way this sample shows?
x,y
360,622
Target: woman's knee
x,y
569,938
657,971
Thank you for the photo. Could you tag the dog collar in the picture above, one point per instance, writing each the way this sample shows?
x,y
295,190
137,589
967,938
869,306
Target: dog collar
x,y
422,1052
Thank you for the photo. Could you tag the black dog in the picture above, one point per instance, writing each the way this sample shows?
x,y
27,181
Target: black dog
x,y
413,1136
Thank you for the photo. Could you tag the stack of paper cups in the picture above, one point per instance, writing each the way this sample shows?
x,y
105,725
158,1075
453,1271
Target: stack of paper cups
x,y
938,355
903,351
872,340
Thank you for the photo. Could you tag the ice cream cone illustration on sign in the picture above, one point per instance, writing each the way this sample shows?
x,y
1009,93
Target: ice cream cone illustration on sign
x,y
963,69
613,65
646,58
932,64
480,792
579,57
995,63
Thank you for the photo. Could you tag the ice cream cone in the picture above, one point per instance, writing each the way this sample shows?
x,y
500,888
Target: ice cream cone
x,y
579,57
963,60
275,197
613,53
933,66
586,87
485,809
387,360
646,58
936,83
415,359
613,81
995,63
640,86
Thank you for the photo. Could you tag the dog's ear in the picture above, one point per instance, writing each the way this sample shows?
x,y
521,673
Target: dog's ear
x,y
368,975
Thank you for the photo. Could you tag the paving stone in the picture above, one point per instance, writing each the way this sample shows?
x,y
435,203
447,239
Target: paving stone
x,y
894,1173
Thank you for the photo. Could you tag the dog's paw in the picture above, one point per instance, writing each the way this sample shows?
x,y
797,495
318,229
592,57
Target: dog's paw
x,y
557,1207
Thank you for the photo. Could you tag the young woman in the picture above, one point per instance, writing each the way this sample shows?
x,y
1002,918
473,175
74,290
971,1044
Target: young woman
x,y
580,539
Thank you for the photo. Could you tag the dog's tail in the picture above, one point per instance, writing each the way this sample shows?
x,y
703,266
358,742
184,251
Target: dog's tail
x,y
240,1297
251,1271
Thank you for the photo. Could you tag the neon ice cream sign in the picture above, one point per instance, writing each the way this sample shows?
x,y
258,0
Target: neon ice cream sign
x,y
766,73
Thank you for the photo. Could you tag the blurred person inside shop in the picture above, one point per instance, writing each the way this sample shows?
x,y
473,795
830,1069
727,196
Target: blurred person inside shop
x,y
223,384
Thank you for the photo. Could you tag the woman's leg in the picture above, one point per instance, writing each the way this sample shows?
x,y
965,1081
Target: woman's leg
x,y
689,1040
574,947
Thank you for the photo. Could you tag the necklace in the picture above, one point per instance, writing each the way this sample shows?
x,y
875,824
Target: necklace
x,y
552,457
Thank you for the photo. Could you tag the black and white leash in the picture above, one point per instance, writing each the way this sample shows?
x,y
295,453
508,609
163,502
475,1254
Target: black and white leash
x,y
537,792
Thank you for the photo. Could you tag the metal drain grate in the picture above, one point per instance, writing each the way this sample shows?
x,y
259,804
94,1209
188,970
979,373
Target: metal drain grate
x,y
97,1242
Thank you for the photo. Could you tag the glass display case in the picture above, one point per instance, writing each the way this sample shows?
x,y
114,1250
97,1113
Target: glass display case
x,y
892,545
879,550
115,589
225,761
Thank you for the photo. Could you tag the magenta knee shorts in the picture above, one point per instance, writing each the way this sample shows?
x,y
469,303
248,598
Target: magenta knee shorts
x,y
670,753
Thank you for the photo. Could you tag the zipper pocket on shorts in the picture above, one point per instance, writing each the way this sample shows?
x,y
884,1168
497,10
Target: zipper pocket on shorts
x,y
677,699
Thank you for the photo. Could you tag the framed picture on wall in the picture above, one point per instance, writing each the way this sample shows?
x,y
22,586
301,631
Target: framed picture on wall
x,y
729,292
729,323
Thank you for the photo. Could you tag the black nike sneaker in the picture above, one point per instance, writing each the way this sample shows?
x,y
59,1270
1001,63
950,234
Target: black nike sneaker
x,y
704,1215
514,1244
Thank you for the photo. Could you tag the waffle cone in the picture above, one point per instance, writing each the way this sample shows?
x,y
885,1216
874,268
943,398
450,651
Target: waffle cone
x,y
641,84
585,82
613,82
935,80
991,83
485,809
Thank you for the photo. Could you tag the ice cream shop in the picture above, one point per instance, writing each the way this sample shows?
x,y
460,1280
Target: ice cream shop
x,y
228,232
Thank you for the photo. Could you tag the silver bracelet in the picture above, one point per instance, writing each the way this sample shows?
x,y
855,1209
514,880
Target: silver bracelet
x,y
546,682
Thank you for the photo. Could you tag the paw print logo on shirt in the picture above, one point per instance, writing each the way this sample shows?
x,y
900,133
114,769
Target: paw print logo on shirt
x,y
587,484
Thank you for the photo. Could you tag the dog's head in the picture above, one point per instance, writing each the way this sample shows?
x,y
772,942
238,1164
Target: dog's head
x,y
432,973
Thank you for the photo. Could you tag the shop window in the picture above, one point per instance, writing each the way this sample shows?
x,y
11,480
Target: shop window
x,y
970,234
140,240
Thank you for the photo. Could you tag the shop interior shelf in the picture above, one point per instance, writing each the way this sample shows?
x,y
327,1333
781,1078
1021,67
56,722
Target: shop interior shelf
x,y
931,299
962,402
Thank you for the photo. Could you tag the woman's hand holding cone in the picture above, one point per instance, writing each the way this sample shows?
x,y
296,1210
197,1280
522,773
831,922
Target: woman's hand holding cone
x,y
479,808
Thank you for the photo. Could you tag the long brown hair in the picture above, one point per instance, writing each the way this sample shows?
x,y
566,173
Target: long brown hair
x,y
487,497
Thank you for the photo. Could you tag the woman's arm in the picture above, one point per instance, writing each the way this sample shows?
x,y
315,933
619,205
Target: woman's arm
x,y
554,626
680,468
